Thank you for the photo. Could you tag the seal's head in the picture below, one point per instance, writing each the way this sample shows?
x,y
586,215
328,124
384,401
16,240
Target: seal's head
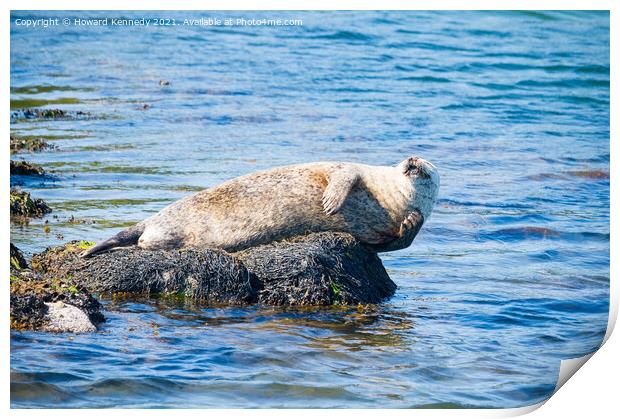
x,y
424,179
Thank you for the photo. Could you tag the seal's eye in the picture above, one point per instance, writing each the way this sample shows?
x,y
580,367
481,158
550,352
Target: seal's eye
x,y
416,170
412,170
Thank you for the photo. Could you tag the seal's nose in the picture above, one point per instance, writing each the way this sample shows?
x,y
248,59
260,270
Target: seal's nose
x,y
421,162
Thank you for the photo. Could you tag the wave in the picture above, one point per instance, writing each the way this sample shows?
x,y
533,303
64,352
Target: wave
x,y
540,233
344,36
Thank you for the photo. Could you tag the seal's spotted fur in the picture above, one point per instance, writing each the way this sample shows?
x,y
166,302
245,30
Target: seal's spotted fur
x,y
383,207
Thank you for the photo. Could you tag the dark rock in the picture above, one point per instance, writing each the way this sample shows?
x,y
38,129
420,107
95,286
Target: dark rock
x,y
23,168
318,269
23,205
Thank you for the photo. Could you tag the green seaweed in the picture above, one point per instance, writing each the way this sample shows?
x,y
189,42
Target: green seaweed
x,y
143,187
79,245
83,204
102,167
101,223
84,244
37,103
46,137
335,291
47,88
110,147
15,263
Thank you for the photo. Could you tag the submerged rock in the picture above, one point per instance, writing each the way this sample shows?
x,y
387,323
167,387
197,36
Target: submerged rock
x,y
318,269
36,113
40,302
23,205
590,174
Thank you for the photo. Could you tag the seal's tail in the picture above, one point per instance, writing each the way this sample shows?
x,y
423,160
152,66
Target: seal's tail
x,y
124,238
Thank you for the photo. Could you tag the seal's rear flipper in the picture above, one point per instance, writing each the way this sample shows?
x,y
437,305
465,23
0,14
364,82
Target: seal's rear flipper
x,y
122,239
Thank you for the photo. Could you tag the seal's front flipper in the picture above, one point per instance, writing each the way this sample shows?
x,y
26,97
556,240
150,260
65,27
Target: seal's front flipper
x,y
409,228
412,224
124,238
340,184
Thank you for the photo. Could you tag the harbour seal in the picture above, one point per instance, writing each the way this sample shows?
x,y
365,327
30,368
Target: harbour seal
x,y
383,207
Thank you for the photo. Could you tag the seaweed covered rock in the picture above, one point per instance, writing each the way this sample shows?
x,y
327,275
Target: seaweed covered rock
x,y
18,261
23,205
35,301
40,302
201,275
23,168
19,143
28,312
317,269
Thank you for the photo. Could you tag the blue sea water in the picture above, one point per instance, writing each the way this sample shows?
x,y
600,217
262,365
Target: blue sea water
x,y
508,277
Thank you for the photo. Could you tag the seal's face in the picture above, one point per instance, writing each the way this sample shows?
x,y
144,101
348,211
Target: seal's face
x,y
424,179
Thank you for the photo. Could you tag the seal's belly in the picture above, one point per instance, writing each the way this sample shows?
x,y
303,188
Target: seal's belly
x,y
297,212
367,220
255,211
275,206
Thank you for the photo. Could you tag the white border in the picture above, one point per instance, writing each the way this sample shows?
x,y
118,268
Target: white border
x,y
597,383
